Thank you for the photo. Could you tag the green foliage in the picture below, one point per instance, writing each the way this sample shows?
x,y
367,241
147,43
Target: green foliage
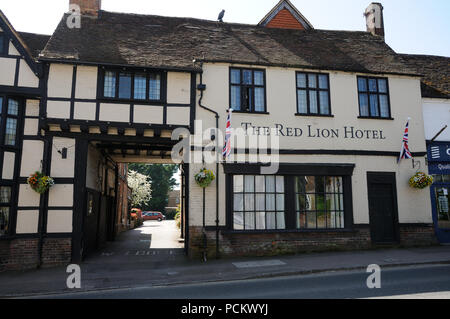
x,y
161,178
178,217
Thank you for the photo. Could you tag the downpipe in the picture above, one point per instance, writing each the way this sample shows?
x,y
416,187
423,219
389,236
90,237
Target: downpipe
x,y
201,87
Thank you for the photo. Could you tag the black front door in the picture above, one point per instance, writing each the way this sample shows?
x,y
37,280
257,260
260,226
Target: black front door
x,y
383,208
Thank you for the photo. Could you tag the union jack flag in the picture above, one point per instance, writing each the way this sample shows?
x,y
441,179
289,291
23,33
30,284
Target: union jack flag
x,y
405,152
227,147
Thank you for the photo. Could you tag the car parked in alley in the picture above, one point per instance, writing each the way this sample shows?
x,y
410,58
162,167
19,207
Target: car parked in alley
x,y
153,216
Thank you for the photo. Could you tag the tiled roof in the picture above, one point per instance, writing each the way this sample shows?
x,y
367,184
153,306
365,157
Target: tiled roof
x,y
34,42
167,42
435,71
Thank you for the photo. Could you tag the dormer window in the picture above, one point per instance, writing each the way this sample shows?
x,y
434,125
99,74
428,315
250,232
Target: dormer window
x,y
248,90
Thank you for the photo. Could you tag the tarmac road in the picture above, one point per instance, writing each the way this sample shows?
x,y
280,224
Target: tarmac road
x,y
414,282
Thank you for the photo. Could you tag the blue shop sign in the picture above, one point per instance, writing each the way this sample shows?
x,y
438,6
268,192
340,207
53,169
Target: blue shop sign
x,y
439,152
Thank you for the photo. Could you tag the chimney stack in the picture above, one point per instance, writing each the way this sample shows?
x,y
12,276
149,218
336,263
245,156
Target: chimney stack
x,y
87,7
374,19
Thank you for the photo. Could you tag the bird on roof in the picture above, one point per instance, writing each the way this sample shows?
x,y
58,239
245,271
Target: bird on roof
x,y
221,15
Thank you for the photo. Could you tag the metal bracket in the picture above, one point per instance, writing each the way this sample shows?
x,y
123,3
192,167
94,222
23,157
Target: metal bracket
x,y
416,163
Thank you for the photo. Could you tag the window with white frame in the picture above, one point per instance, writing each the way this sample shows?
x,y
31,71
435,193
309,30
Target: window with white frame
x,y
259,202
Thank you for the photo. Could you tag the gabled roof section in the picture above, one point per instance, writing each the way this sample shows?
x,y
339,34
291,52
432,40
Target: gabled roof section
x,y
285,16
435,71
19,43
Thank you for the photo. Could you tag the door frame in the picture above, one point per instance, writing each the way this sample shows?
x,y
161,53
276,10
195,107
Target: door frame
x,y
384,177
443,235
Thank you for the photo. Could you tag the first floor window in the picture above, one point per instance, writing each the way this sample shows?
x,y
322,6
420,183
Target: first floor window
x,y
373,96
5,203
140,86
110,84
155,86
258,202
247,90
269,202
124,86
313,94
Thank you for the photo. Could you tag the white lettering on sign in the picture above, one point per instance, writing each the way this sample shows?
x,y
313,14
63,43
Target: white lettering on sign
x,y
435,152
444,167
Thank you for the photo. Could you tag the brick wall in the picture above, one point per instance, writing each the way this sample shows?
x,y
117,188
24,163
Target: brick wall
x,y
272,244
411,235
22,253
285,20
56,252
89,7
18,254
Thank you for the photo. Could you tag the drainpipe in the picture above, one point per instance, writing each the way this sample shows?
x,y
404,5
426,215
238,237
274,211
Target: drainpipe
x,y
201,87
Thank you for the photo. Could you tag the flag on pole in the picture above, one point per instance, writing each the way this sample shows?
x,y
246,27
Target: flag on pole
x,y
227,147
405,152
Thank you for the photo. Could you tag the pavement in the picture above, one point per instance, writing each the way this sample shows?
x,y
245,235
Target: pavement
x,y
152,255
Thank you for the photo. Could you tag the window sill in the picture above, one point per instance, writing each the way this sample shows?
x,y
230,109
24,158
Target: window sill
x,y
130,101
375,118
287,231
313,115
248,112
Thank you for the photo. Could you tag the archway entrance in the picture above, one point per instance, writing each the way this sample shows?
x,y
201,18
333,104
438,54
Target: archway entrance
x,y
114,231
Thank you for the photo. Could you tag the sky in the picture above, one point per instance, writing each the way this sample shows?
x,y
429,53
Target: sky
x,y
412,26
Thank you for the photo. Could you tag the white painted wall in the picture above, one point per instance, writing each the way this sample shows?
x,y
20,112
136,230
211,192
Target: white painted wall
x,y
414,206
436,114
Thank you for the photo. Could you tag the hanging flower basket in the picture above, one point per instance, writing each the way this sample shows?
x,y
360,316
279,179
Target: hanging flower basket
x,y
204,178
420,180
40,183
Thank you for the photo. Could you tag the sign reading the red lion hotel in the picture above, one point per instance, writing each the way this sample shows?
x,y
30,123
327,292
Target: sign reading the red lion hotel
x,y
312,131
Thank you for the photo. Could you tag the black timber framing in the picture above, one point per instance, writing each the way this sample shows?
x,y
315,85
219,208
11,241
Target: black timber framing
x,y
43,206
15,39
81,154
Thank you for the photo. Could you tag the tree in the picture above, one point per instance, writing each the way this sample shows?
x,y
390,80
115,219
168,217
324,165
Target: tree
x,y
141,187
161,178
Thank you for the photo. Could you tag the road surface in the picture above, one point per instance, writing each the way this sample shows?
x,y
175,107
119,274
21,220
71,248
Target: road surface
x,y
430,281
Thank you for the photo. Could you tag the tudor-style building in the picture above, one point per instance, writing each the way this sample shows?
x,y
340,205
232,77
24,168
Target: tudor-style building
x,y
115,87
